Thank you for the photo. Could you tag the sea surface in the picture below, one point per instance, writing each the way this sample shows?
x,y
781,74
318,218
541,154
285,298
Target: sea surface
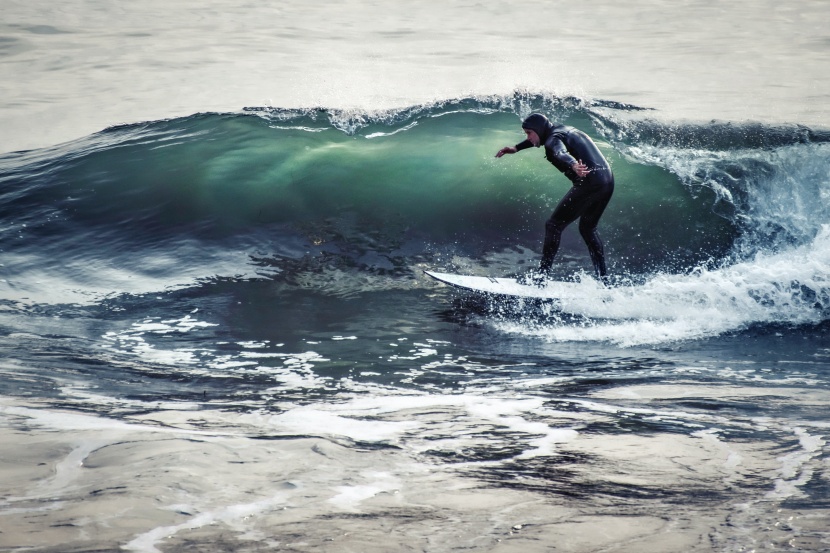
x,y
215,329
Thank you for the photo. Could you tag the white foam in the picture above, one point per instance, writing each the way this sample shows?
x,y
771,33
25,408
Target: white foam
x,y
782,287
795,470
231,515
253,344
317,420
392,418
132,341
349,497
420,351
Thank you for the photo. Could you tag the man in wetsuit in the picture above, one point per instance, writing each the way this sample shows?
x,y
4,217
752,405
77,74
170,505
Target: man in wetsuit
x,y
575,154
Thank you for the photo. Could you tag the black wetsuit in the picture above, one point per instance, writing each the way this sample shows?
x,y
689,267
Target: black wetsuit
x,y
587,198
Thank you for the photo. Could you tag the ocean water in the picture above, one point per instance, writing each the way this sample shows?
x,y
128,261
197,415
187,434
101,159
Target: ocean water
x,y
216,332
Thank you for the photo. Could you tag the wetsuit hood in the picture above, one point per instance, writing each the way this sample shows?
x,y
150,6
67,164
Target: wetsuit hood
x,y
539,124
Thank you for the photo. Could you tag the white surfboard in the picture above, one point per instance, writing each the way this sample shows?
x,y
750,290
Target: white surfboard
x,y
552,289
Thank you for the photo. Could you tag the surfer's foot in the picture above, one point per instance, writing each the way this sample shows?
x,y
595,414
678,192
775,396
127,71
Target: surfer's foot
x,y
533,278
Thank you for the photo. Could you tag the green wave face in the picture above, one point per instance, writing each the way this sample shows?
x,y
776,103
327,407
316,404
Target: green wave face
x,y
413,182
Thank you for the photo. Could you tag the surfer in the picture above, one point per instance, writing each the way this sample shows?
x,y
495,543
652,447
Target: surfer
x,y
574,154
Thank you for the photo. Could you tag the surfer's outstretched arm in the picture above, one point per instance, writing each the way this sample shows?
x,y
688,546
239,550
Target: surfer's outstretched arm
x,y
506,150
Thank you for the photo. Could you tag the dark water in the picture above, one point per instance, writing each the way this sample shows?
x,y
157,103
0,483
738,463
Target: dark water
x,y
269,264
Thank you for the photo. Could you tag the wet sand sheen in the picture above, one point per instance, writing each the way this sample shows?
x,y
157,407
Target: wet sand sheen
x,y
162,483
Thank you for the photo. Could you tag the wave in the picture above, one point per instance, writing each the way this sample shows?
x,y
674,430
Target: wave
x,y
301,195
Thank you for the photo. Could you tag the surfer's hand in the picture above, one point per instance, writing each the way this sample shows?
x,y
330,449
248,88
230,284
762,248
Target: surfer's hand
x,y
580,169
506,150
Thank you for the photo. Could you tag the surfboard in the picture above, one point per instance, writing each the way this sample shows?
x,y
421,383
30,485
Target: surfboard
x,y
552,289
